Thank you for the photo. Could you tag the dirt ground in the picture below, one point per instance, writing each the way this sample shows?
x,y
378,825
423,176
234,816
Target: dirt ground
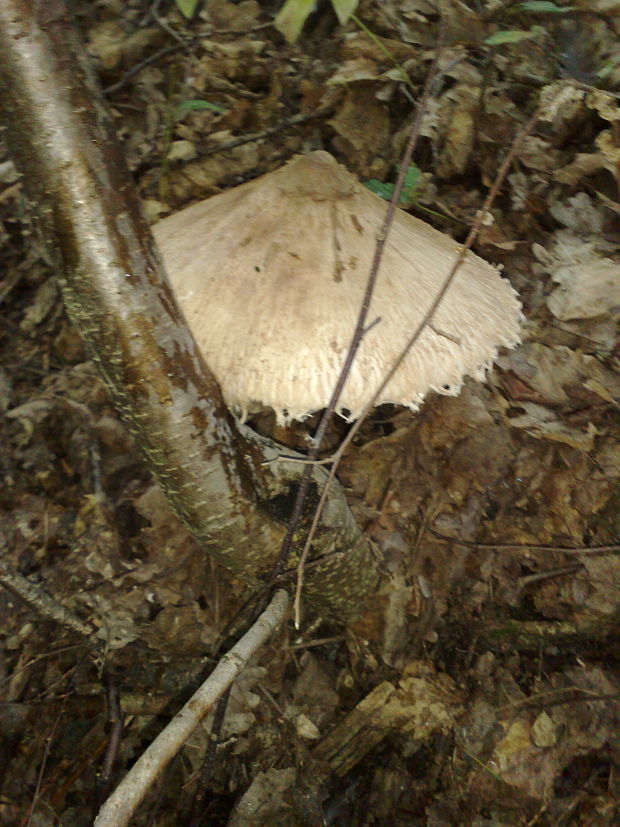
x,y
481,688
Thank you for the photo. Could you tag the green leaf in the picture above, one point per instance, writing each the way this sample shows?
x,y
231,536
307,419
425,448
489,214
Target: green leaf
x,y
543,6
412,179
186,7
509,36
344,9
290,19
380,188
198,105
385,190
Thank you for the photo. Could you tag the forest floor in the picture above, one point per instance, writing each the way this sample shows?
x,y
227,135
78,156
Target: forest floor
x,y
483,688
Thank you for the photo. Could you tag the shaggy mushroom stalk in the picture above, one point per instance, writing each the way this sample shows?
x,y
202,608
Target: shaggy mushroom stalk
x,y
61,138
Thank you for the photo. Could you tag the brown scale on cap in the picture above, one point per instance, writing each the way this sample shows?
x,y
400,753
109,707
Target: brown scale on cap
x,y
271,274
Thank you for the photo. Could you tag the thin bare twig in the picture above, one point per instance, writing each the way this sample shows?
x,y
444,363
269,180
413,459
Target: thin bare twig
x,y
563,571
116,719
208,763
138,67
554,697
249,137
43,604
359,328
501,174
37,659
48,746
524,546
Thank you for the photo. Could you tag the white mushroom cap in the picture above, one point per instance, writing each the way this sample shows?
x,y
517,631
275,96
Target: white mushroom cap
x,y
270,276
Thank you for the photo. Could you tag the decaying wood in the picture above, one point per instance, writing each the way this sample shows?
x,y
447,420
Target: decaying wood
x,y
423,702
83,200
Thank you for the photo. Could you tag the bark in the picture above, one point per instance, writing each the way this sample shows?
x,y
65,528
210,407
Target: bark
x,y
82,198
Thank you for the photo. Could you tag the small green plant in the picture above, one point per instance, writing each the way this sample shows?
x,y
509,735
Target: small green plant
x,y
385,190
197,105
504,36
545,6
173,113
408,193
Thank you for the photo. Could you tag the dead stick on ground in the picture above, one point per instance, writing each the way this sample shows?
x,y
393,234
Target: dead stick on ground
x,y
586,550
48,745
42,603
120,806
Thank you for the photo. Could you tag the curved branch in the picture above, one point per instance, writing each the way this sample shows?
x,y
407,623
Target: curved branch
x,y
62,139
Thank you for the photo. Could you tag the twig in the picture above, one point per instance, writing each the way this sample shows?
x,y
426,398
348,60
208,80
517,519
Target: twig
x,y
120,84
258,136
359,331
524,546
152,818
563,571
208,763
120,806
116,719
37,659
502,172
42,603
357,334
555,697
383,48
46,754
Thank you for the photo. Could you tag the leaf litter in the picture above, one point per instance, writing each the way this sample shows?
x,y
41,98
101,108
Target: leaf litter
x,y
487,668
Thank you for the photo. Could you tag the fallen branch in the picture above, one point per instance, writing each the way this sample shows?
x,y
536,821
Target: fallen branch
x,y
123,802
525,547
43,603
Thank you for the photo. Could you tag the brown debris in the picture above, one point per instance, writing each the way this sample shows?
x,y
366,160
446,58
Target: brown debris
x,y
509,652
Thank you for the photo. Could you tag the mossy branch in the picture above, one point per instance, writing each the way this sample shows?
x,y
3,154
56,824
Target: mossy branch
x,y
82,198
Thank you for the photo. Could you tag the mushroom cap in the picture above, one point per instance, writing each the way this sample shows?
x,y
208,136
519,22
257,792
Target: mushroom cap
x,y
270,276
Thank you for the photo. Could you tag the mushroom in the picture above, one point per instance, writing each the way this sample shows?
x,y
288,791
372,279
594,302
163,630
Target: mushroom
x,y
271,274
